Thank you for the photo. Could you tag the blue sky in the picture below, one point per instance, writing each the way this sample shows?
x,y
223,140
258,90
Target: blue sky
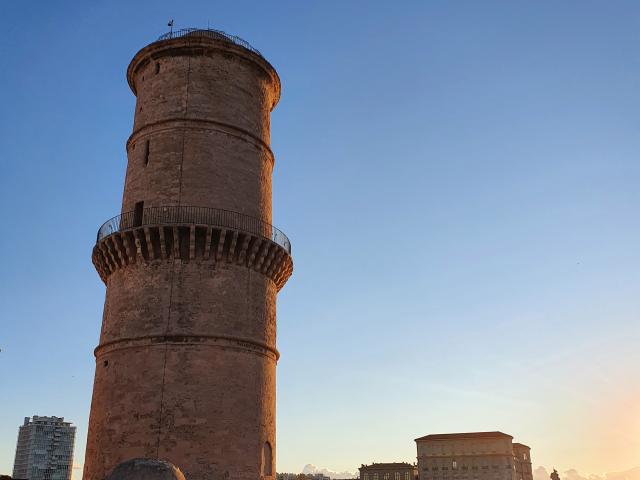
x,y
459,180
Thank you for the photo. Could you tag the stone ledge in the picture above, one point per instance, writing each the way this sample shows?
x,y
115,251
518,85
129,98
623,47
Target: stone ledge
x,y
199,124
221,341
191,242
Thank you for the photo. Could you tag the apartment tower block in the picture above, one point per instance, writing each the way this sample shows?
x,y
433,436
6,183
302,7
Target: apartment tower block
x,y
45,449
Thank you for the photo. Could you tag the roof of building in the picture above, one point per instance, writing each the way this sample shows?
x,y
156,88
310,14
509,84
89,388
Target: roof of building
x,y
388,465
515,444
459,436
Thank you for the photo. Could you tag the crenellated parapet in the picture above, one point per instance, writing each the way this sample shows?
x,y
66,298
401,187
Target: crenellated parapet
x,y
192,234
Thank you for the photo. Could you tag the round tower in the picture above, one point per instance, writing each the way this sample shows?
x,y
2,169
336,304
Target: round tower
x,y
185,367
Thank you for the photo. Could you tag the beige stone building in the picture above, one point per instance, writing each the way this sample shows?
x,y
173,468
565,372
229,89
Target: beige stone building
x,y
472,456
388,471
522,461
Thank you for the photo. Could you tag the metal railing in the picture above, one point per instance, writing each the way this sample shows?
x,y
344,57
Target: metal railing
x,y
209,33
179,215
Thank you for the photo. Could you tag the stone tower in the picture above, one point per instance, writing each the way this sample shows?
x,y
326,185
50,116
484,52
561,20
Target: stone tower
x,y
186,364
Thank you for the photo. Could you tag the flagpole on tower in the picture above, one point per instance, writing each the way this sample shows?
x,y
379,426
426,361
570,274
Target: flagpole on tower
x,y
170,25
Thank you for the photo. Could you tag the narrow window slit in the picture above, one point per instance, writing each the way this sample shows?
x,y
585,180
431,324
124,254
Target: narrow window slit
x,y
146,153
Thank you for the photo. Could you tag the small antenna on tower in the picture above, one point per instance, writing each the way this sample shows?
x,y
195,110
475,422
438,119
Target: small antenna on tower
x,y
170,25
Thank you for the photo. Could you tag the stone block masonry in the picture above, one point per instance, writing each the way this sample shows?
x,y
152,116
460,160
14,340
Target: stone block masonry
x,y
186,363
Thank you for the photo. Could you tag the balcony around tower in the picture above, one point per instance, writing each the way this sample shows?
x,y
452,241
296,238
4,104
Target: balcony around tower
x,y
192,234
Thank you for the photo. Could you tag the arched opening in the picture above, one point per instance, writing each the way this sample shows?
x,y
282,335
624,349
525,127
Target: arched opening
x,y
267,459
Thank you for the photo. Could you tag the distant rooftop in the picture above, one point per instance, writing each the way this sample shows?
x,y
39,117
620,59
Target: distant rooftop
x,y
388,465
41,419
469,435
209,33
515,444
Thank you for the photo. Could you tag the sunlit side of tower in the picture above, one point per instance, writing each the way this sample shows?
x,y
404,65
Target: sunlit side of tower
x,y
187,355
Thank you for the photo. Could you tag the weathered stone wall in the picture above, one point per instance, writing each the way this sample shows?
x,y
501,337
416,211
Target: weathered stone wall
x,y
205,116
187,356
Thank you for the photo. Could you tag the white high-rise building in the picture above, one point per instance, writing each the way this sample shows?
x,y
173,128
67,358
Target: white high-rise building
x,y
45,449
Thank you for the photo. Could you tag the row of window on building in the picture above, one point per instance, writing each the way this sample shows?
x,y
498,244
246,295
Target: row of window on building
x,y
464,477
387,476
465,467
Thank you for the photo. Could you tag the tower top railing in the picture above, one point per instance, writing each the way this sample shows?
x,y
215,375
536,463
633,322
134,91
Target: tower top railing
x,y
187,215
209,33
